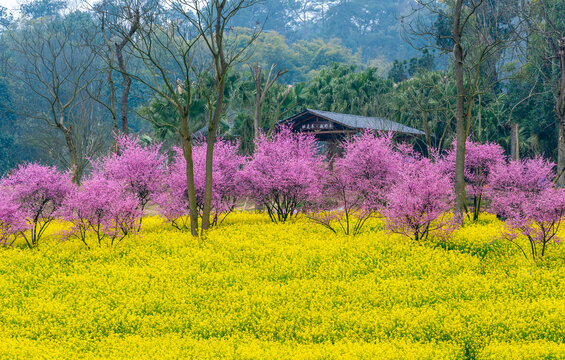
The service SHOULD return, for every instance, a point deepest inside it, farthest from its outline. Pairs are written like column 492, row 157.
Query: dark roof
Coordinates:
column 360, row 122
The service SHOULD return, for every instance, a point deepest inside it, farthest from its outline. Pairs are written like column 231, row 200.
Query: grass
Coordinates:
column 256, row 290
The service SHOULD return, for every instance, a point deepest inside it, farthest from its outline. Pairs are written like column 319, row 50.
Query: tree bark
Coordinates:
column 461, row 129
column 125, row 91
column 514, row 141
column 210, row 141
column 261, row 93
column 560, row 112
column 115, row 128
column 187, row 153
column 72, row 154
column 258, row 102
column 127, row 79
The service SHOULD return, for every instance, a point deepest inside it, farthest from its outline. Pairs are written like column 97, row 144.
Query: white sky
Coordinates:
column 10, row 4
column 15, row 4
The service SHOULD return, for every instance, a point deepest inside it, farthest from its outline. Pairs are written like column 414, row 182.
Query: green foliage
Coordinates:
column 40, row 8
column 164, row 117
column 5, row 18
column 341, row 88
column 398, row 71
column 425, row 102
column 369, row 27
column 403, row 70
column 302, row 59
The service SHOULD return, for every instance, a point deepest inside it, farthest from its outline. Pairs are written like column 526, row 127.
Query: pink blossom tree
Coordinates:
column 284, row 173
column 173, row 203
column 12, row 221
column 140, row 168
column 103, row 207
column 36, row 193
column 523, row 194
column 419, row 203
column 479, row 160
column 356, row 188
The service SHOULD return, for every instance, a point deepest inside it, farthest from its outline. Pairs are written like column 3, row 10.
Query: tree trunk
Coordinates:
column 210, row 141
column 426, row 130
column 560, row 112
column 461, row 129
column 125, row 91
column 258, row 102
column 125, row 75
column 514, row 141
column 72, row 154
column 115, row 127
column 187, row 152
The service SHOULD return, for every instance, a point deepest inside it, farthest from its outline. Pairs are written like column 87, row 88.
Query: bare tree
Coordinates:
column 548, row 31
column 261, row 92
column 54, row 64
column 211, row 19
column 118, row 21
column 132, row 14
column 90, row 134
column 477, row 33
column 165, row 48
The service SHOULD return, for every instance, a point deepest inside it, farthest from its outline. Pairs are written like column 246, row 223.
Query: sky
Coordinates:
column 10, row 4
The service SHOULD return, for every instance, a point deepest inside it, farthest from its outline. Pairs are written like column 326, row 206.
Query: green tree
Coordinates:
column 40, row 8
column 341, row 88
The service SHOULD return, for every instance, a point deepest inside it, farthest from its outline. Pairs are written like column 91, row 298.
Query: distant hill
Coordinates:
column 370, row 28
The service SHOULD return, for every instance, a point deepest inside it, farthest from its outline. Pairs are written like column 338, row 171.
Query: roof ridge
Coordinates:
column 360, row 121
column 361, row 116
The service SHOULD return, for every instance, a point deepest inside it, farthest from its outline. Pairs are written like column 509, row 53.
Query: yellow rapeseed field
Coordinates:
column 256, row 290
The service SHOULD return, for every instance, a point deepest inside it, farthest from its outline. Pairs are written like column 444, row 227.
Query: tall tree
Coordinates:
column 54, row 64
column 461, row 29
column 212, row 20
column 261, row 92
column 548, row 45
column 166, row 48
column 119, row 21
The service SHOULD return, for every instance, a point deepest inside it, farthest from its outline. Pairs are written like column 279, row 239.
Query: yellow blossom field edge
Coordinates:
column 256, row 290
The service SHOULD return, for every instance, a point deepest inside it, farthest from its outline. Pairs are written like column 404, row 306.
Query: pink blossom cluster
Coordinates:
column 103, row 207
column 480, row 159
column 284, row 173
column 420, row 201
column 31, row 197
column 523, row 194
column 357, row 186
column 369, row 167
column 227, row 164
column 12, row 221
column 140, row 168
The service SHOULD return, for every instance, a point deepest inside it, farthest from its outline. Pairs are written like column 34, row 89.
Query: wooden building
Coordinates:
column 330, row 128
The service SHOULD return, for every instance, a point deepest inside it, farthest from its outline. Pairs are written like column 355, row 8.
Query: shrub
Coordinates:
column 357, row 186
column 284, row 173
column 420, row 201
column 522, row 193
column 479, row 160
column 104, row 207
column 34, row 193
column 173, row 203
column 140, row 168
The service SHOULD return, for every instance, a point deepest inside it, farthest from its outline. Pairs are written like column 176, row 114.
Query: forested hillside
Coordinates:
column 64, row 84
